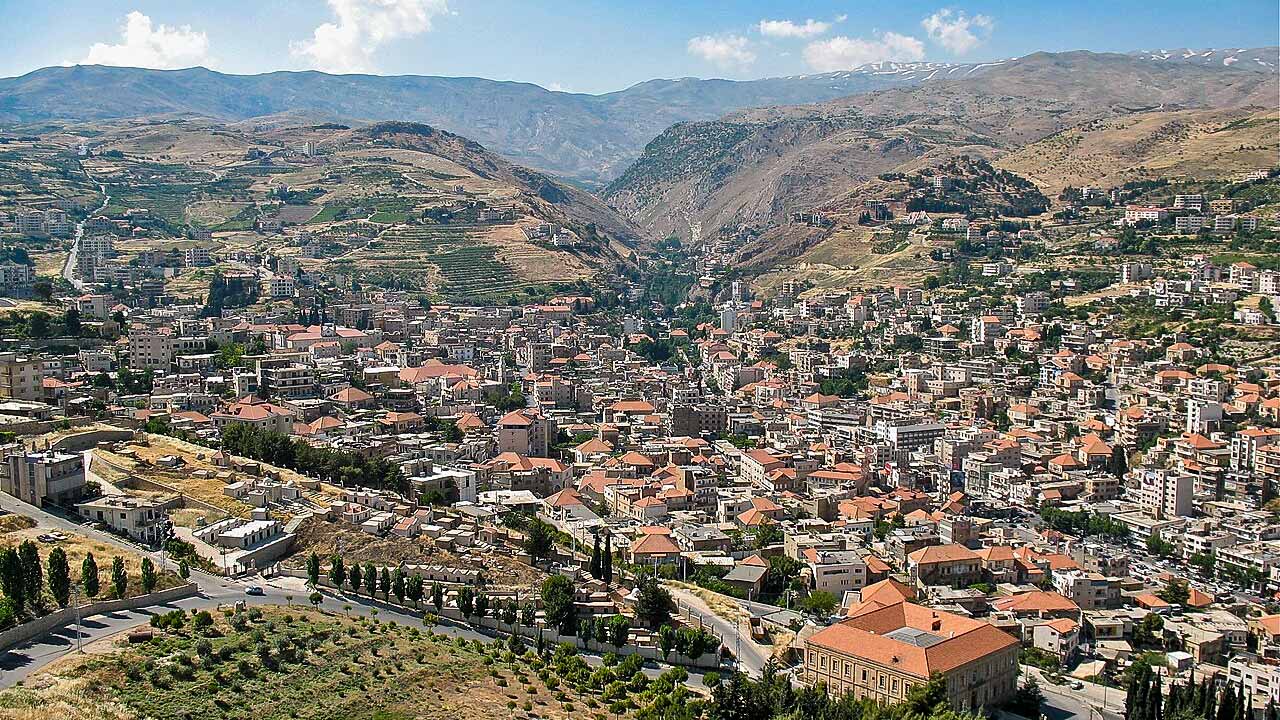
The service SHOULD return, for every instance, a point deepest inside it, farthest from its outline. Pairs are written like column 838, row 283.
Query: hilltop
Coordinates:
column 590, row 138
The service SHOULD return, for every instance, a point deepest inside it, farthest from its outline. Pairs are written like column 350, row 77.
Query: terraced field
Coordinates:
column 448, row 261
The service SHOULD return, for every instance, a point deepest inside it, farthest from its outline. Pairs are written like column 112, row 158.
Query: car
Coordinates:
column 254, row 590
column 1077, row 685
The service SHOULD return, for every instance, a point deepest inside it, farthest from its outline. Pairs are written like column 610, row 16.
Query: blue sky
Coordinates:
column 598, row 46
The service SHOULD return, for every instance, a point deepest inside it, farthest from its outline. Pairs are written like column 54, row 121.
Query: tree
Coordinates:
column 413, row 588
column 528, row 614
column 313, row 570
column 437, row 596
column 539, row 540
column 1176, row 592
column 337, row 572
column 586, row 631
column 1027, row 700
column 11, row 579
column 355, row 576
column 557, row 601
column 653, row 602
column 619, row 630
column 398, row 587
column 59, row 577
column 148, row 576
column 466, row 602
column 32, row 573
column 481, row 605
column 89, row 575
column 606, row 561
column 384, row 583
column 370, row 578
column 184, row 570
column 820, row 603
column 666, row 640
column 510, row 613
column 595, row 568
column 315, row 598
column 119, row 577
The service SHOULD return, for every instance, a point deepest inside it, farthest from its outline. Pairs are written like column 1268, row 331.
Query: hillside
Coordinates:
column 1203, row 144
column 743, row 175
column 590, row 138
column 398, row 205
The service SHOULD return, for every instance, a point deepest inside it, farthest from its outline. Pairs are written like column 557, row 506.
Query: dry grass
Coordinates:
column 78, row 546
column 722, row 605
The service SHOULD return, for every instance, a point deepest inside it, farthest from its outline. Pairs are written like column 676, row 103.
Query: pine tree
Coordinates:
column 148, row 576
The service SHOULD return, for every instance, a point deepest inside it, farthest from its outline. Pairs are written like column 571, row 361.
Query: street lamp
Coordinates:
column 75, row 604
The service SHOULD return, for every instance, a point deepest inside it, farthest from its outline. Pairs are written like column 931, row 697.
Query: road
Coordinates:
column 69, row 267
column 751, row 655
column 1063, row 701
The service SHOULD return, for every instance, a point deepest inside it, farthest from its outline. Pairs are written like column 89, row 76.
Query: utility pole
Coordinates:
column 75, row 603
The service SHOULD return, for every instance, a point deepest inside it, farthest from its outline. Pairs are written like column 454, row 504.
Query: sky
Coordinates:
column 597, row 46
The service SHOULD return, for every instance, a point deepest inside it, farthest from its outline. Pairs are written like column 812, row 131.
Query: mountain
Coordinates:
column 742, row 175
column 589, row 138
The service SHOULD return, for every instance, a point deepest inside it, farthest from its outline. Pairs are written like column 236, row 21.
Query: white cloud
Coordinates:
column 359, row 27
column 788, row 29
column 724, row 51
column 151, row 46
column 844, row 53
column 957, row 32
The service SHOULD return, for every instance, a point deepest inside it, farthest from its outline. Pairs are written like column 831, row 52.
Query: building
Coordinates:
column 837, row 572
column 950, row 565
column 197, row 257
column 1166, row 494
column 525, row 432
column 34, row 477
column 21, row 378
column 882, row 652
column 282, row 286
column 142, row 519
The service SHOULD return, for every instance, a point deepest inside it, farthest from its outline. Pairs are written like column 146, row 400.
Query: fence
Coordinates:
column 41, row 625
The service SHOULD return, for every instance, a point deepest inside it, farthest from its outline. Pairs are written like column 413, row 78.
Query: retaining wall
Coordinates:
column 41, row 625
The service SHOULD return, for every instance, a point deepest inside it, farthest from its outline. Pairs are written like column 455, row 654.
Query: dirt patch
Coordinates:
column 327, row 538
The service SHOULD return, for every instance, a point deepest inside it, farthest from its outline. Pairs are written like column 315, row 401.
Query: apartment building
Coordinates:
column 21, row 377
column 35, row 477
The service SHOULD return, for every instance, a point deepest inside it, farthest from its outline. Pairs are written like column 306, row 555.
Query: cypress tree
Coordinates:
column 89, row 575
column 1155, row 700
column 1271, row 712
column 606, row 561
column 1227, row 706
column 11, row 579
column 1240, row 703
column 595, row 558
column 32, row 573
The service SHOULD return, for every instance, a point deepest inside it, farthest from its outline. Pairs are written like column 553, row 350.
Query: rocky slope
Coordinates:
column 744, row 173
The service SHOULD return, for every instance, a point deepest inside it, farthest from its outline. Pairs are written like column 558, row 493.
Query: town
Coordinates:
column 1024, row 479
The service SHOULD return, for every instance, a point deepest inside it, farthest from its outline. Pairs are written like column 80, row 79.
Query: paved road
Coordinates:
column 1063, row 701
column 751, row 655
